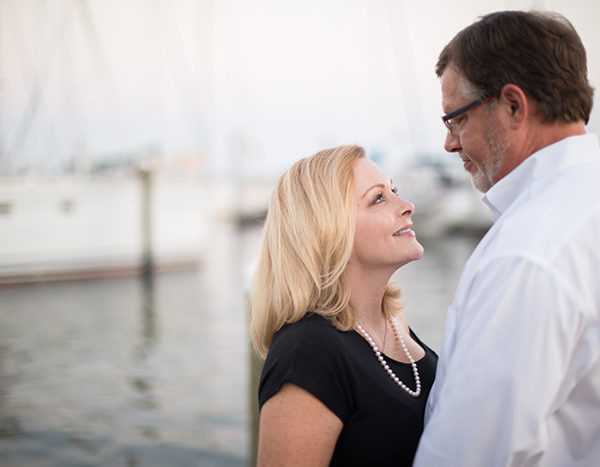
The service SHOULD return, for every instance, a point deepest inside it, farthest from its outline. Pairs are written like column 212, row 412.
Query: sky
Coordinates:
column 242, row 87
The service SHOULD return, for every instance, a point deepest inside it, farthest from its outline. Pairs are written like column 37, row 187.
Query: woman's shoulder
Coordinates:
column 310, row 322
column 312, row 330
column 311, row 336
column 312, row 354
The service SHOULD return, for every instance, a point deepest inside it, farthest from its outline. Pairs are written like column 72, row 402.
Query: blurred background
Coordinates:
column 139, row 142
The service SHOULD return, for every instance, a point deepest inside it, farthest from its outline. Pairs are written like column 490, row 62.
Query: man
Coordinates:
column 518, row 380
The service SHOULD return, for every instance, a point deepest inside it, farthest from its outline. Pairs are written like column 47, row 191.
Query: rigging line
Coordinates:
column 182, row 68
column 98, row 52
column 36, row 101
column 415, row 93
column 3, row 156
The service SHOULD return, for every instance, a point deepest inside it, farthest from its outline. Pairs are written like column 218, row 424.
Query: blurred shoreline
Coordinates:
column 82, row 227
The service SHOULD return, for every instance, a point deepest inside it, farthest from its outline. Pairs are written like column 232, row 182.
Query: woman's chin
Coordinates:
column 419, row 251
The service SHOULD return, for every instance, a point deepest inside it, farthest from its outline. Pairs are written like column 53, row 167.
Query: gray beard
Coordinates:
column 485, row 177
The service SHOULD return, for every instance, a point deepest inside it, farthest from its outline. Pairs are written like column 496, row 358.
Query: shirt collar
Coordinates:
column 571, row 150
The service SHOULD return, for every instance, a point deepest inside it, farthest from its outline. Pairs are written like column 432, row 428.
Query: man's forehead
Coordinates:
column 452, row 84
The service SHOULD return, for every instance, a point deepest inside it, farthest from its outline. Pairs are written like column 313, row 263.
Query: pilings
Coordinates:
column 146, row 177
column 256, row 364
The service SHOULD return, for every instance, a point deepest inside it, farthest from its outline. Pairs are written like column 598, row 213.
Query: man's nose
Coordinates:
column 452, row 143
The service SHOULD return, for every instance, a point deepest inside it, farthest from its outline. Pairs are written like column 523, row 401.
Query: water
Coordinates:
column 127, row 372
column 428, row 284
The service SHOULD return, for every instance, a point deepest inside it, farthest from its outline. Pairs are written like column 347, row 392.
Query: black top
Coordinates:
column 382, row 423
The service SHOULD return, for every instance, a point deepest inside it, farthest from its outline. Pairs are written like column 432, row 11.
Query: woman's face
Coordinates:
column 383, row 236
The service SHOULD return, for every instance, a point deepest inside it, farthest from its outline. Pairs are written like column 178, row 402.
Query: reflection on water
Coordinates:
column 154, row 372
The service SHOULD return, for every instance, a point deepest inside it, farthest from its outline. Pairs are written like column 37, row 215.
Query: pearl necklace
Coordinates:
column 385, row 365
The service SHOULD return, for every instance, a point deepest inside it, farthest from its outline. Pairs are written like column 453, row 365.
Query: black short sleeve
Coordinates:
column 308, row 354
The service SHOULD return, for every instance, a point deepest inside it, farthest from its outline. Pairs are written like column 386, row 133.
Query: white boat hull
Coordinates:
column 80, row 227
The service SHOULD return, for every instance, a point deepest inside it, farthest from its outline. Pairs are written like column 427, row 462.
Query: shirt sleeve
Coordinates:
column 504, row 375
column 307, row 354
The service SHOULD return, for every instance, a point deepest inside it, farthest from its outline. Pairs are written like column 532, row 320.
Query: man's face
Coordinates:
column 477, row 136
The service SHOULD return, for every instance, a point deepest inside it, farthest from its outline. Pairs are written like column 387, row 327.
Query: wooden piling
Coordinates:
column 146, row 178
column 256, row 364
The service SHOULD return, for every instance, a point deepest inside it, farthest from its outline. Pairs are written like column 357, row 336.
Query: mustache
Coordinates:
column 464, row 156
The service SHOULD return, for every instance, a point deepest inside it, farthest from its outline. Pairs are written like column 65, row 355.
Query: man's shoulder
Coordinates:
column 546, row 218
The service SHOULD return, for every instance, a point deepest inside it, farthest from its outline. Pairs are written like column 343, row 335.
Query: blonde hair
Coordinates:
column 307, row 243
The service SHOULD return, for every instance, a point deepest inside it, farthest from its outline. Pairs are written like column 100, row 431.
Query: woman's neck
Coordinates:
column 367, row 291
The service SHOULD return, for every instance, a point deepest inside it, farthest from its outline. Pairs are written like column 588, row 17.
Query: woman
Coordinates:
column 345, row 381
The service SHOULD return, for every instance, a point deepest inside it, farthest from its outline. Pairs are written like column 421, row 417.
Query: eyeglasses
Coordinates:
column 447, row 119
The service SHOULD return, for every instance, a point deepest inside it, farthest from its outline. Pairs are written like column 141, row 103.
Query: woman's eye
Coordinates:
column 378, row 199
column 395, row 190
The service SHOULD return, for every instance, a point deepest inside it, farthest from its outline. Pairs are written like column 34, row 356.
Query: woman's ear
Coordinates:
column 515, row 104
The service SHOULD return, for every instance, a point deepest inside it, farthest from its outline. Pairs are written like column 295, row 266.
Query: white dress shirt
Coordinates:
column 518, row 379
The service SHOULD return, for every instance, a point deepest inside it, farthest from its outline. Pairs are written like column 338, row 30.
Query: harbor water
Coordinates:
column 155, row 372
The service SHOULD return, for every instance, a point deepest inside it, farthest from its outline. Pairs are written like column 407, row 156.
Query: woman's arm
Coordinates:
column 296, row 429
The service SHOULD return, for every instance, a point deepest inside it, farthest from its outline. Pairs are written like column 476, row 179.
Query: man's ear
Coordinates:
column 515, row 104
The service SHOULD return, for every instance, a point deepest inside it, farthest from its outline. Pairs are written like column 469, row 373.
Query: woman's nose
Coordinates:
column 405, row 207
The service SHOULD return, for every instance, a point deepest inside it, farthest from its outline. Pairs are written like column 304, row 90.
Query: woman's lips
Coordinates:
column 405, row 231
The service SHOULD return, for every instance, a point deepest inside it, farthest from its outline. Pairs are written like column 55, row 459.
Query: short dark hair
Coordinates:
column 538, row 51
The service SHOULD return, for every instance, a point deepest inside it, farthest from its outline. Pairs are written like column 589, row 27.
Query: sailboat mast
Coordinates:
column 3, row 162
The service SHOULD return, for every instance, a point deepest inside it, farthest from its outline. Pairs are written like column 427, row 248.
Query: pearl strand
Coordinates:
column 385, row 365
